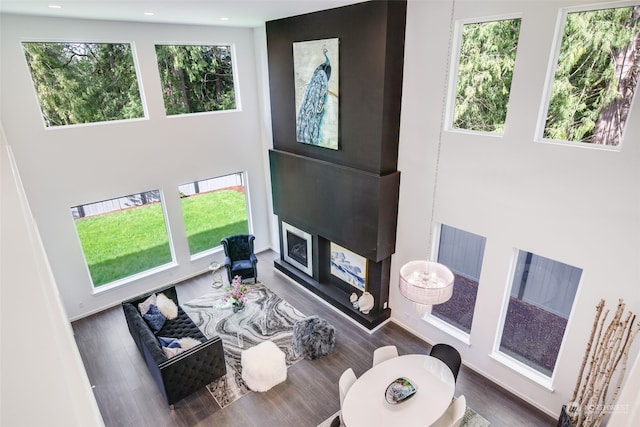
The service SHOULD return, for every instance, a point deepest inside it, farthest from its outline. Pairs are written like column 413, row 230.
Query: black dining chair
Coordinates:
column 449, row 355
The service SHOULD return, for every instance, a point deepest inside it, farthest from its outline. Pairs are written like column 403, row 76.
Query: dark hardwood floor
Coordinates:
column 127, row 396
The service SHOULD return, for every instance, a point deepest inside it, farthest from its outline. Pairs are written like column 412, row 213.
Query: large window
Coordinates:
column 462, row 252
column 487, row 57
column 595, row 77
column 84, row 82
column 214, row 208
column 196, row 78
column 122, row 237
column 541, row 298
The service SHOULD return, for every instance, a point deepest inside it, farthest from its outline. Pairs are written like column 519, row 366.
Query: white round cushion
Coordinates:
column 263, row 366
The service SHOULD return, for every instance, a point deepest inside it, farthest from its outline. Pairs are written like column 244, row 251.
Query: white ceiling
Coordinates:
column 238, row 13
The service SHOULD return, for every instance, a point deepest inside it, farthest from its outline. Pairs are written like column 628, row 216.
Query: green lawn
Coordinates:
column 126, row 242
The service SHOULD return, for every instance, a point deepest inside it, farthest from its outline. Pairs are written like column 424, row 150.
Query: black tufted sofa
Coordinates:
column 187, row 372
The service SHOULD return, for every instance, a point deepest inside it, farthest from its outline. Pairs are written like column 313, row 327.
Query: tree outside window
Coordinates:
column 84, row 82
column 485, row 69
column 196, row 78
column 595, row 77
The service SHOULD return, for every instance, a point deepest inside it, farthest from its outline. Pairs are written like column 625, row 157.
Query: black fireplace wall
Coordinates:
column 355, row 209
column 371, row 50
column 348, row 196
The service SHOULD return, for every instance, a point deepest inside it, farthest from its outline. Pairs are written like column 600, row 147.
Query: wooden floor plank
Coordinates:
column 127, row 395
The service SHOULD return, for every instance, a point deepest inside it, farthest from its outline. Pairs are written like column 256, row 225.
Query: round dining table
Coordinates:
column 365, row 404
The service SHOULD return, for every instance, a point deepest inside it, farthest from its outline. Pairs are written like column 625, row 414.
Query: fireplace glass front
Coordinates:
column 297, row 248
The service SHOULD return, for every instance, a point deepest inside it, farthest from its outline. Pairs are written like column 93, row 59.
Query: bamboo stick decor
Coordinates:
column 605, row 359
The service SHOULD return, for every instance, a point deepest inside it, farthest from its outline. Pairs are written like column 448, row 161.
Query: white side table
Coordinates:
column 215, row 269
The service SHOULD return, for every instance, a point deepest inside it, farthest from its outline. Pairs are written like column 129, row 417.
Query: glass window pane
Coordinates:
column 462, row 252
column 212, row 209
column 595, row 77
column 196, row 78
column 123, row 236
column 540, row 302
column 84, row 82
column 485, row 69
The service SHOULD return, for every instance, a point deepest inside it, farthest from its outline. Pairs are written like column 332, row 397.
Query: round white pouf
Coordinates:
column 263, row 366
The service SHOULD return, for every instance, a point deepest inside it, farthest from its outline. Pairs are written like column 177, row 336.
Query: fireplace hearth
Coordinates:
column 306, row 259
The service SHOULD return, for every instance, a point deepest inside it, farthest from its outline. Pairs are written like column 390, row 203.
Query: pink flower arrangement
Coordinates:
column 237, row 292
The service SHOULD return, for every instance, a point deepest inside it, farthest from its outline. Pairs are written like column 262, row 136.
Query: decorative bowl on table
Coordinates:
column 399, row 390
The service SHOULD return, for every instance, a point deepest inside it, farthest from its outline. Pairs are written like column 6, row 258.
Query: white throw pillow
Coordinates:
column 167, row 306
column 144, row 306
column 170, row 352
column 187, row 342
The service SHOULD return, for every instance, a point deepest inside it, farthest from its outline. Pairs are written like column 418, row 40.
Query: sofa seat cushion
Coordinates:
column 180, row 327
column 243, row 264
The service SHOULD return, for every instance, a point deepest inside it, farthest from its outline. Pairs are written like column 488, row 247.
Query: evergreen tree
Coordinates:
column 196, row 78
column 597, row 71
column 487, row 58
column 84, row 82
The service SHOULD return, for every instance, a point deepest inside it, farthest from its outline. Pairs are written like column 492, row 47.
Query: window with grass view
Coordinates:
column 487, row 57
column 540, row 301
column 124, row 236
column 462, row 252
column 212, row 209
column 196, row 78
column 84, row 82
column 595, row 77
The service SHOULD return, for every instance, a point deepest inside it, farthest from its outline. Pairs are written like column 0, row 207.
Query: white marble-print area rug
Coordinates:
column 266, row 316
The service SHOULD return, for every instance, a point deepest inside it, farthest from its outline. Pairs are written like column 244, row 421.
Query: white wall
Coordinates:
column 577, row 206
column 66, row 167
column 43, row 380
column 574, row 205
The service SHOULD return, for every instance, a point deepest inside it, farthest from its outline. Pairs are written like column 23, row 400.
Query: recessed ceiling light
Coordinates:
column 149, row 13
column 55, row 6
column 224, row 18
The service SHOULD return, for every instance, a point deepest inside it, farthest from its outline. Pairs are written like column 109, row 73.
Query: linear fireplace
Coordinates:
column 297, row 248
column 316, row 263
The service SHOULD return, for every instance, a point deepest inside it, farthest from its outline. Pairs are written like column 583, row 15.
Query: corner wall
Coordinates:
column 580, row 206
column 40, row 363
column 64, row 167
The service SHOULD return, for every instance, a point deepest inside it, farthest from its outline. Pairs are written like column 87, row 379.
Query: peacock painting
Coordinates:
column 316, row 73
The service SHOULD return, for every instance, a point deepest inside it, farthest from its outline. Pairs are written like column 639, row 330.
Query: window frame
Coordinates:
column 452, row 86
column 136, row 66
column 234, row 69
column 512, row 363
column 97, row 289
column 457, row 333
column 551, row 72
column 218, row 248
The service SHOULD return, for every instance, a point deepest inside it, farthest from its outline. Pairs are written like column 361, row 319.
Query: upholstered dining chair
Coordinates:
column 239, row 257
column 381, row 354
column 449, row 355
column 347, row 379
column 454, row 414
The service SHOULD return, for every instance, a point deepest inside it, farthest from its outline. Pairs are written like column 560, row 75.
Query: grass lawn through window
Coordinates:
column 122, row 243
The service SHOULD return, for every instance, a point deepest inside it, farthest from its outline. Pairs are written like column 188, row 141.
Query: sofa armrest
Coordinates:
column 145, row 340
column 193, row 369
